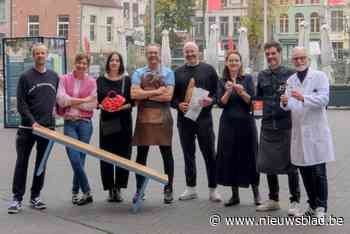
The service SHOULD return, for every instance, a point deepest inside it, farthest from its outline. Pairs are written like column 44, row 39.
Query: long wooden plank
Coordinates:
column 101, row 154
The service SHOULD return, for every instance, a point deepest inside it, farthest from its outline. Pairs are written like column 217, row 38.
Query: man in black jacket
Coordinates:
column 274, row 149
column 205, row 77
column 36, row 98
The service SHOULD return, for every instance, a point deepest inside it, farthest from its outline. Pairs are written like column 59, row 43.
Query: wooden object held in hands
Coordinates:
column 189, row 90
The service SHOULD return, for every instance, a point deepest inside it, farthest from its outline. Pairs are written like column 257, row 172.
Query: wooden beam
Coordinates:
column 101, row 154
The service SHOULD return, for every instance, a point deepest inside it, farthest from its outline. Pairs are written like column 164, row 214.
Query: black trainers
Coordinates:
column 15, row 207
column 37, row 204
column 85, row 199
column 75, row 198
column 168, row 196
column 136, row 197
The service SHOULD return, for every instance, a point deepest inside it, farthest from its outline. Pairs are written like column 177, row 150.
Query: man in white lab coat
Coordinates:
column 307, row 96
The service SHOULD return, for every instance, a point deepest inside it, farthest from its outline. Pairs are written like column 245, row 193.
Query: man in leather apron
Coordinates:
column 275, row 137
column 152, row 89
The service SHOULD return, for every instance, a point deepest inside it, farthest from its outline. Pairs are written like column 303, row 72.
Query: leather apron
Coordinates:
column 154, row 123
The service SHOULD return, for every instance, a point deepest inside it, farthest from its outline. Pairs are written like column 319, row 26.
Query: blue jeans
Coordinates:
column 81, row 130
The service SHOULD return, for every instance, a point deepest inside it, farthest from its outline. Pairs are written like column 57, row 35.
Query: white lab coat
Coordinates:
column 311, row 142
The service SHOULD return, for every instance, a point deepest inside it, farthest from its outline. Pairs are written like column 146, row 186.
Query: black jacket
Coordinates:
column 271, row 85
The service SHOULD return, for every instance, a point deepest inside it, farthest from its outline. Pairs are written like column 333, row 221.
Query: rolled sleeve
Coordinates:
column 136, row 78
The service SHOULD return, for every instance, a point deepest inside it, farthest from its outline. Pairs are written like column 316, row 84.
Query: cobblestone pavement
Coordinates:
column 155, row 217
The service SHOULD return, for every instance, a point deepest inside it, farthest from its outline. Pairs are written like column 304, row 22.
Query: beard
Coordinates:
column 301, row 68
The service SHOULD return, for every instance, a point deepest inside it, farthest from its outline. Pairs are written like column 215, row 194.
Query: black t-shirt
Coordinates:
column 36, row 97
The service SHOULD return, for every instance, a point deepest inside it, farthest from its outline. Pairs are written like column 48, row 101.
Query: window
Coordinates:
column 315, row 1
column 135, row 14
column 298, row 19
column 2, row 10
column 223, row 26
column 287, row 52
column 337, row 18
column 109, row 29
column 299, row 1
column 212, row 20
column 236, row 24
column 126, row 10
column 33, row 25
column 198, row 27
column 315, row 22
column 92, row 27
column 338, row 50
column 63, row 26
column 224, row 3
column 284, row 23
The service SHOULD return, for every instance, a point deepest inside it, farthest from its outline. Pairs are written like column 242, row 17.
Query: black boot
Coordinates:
column 234, row 200
column 256, row 194
column 168, row 194
column 111, row 195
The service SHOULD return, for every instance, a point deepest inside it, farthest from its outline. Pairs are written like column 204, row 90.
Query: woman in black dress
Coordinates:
column 115, row 125
column 237, row 141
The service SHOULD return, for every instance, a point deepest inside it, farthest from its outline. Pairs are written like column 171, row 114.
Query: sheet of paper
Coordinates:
column 194, row 108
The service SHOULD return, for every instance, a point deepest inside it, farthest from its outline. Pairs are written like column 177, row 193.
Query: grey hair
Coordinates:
column 302, row 49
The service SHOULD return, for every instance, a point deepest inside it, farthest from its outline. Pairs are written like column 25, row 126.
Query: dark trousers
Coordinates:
column 315, row 183
column 293, row 183
column 203, row 130
column 25, row 141
column 168, row 161
column 113, row 176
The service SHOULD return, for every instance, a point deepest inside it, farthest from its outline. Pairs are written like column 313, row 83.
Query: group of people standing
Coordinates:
column 294, row 132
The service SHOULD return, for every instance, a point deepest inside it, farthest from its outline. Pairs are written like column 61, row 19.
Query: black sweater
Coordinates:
column 36, row 97
column 205, row 77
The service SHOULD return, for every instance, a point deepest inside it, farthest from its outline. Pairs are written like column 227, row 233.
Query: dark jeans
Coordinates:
column 82, row 131
column 168, row 161
column 25, row 141
column 293, row 183
column 315, row 183
column 203, row 130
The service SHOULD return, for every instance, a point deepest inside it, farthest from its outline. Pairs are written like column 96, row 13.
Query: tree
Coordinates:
column 171, row 15
column 254, row 22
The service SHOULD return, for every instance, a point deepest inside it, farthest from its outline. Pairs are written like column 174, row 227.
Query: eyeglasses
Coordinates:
column 299, row 58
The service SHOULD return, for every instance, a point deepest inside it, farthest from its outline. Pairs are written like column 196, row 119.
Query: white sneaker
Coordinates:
column 294, row 209
column 309, row 212
column 214, row 196
column 320, row 213
column 15, row 207
column 189, row 194
column 268, row 206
